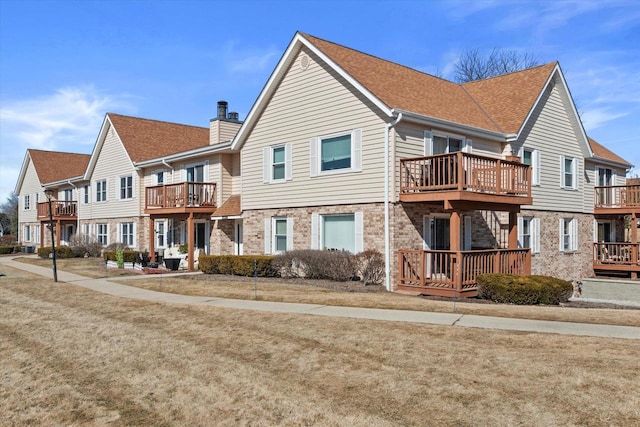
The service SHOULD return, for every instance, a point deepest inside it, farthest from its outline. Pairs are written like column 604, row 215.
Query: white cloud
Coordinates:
column 242, row 60
column 67, row 120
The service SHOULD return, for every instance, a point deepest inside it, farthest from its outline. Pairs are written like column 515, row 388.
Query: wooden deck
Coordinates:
column 615, row 257
column 62, row 210
column 181, row 198
column 451, row 274
column 464, row 177
column 617, row 200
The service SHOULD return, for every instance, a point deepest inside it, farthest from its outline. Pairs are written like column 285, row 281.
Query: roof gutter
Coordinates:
column 453, row 126
column 387, row 245
column 597, row 159
column 184, row 155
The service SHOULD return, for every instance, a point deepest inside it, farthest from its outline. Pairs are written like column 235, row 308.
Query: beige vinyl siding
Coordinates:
column 236, row 181
column 550, row 130
column 31, row 186
column 591, row 181
column 222, row 131
column 226, row 176
column 112, row 163
column 308, row 103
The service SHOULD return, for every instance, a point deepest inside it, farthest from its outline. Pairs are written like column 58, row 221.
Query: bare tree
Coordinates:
column 474, row 65
column 10, row 211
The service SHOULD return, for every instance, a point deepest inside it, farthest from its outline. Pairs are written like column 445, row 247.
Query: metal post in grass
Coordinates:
column 255, row 279
column 49, row 194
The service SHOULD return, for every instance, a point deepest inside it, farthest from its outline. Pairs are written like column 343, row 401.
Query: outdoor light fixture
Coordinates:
column 49, row 194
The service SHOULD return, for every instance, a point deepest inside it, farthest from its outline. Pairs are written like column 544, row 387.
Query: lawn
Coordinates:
column 75, row 357
column 288, row 291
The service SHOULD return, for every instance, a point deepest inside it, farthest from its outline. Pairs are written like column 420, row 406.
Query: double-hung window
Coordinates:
column 569, row 173
column 277, row 165
column 126, row 187
column 340, row 152
column 36, row 233
column 27, row 202
column 568, row 235
column 529, row 233
column 531, row 157
column 127, row 233
column 278, row 235
column 160, row 177
column 103, row 234
column 27, row 233
column 101, row 190
column 86, row 192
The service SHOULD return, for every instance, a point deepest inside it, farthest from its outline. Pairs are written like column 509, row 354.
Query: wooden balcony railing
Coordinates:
column 608, row 255
column 450, row 273
column 182, row 195
column 464, row 172
column 61, row 209
column 617, row 196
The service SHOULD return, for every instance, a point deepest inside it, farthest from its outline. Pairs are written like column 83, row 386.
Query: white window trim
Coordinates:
column 267, row 164
column 573, row 239
column 467, row 144
column 133, row 187
column 317, row 230
column 574, row 166
column 26, row 233
column 37, row 233
column 315, row 156
column 26, row 202
column 86, row 194
column 269, row 234
column 205, row 170
column 133, row 233
column 535, row 164
column 106, row 234
column 165, row 234
column 106, row 191
column 534, row 233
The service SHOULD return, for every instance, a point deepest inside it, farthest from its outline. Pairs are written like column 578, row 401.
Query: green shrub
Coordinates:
column 239, row 265
column 127, row 256
column 316, row 264
column 61, row 252
column 511, row 289
column 6, row 249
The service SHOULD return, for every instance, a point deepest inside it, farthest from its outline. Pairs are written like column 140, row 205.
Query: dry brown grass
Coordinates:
column 89, row 267
column 269, row 290
column 74, row 357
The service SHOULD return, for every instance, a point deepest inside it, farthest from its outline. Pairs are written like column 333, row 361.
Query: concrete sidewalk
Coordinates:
column 106, row 286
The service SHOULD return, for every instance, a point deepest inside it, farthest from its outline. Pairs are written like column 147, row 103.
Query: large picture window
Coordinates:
column 335, row 153
column 339, row 232
column 340, row 152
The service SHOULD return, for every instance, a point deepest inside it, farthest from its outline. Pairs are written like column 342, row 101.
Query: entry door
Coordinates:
column 201, row 241
column 436, row 238
column 605, row 229
column 68, row 232
column 195, row 174
column 605, row 178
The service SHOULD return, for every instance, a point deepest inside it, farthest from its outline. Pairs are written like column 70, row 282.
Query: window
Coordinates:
column 277, row 163
column 568, row 235
column 126, row 187
column 336, row 153
column 438, row 143
column 569, row 174
column 103, row 234
column 86, row 194
column 339, row 232
column 37, row 197
column 529, row 233
column 27, row 233
column 101, row 190
column 27, row 202
column 36, row 232
column 68, row 195
column 161, row 237
column 532, row 158
column 278, row 234
column 126, row 234
column 160, row 177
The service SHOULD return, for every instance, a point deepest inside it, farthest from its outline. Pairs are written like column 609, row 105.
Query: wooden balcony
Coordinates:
column 614, row 257
column 62, row 210
column 185, row 197
column 617, row 199
column 453, row 274
column 464, row 177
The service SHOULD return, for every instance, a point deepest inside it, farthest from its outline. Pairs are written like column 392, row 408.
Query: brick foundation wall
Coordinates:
column 222, row 239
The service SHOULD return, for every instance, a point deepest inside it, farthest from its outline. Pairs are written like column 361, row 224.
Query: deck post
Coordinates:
column 423, row 269
column 460, row 171
column 454, row 231
column 152, row 239
column 190, row 242
column 499, row 176
column 634, row 241
column 513, row 230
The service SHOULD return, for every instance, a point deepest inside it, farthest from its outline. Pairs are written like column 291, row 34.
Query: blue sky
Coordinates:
column 64, row 64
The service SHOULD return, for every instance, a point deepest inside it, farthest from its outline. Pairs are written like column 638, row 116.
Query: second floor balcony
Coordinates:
column 184, row 197
column 464, row 177
column 617, row 199
column 67, row 209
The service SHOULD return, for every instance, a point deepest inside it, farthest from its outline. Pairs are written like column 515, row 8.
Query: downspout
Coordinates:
column 387, row 244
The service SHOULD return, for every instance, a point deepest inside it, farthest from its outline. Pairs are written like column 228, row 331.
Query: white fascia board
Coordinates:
column 297, row 41
column 54, row 184
column 23, row 172
column 185, row 155
column 557, row 70
column 452, row 126
column 97, row 147
column 214, row 218
column 603, row 161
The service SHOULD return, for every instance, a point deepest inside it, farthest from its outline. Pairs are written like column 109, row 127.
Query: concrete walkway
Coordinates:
column 106, row 286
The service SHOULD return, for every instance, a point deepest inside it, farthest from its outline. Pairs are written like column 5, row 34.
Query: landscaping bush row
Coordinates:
column 239, row 265
column 9, row 249
column 61, row 252
column 127, row 256
column 507, row 288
